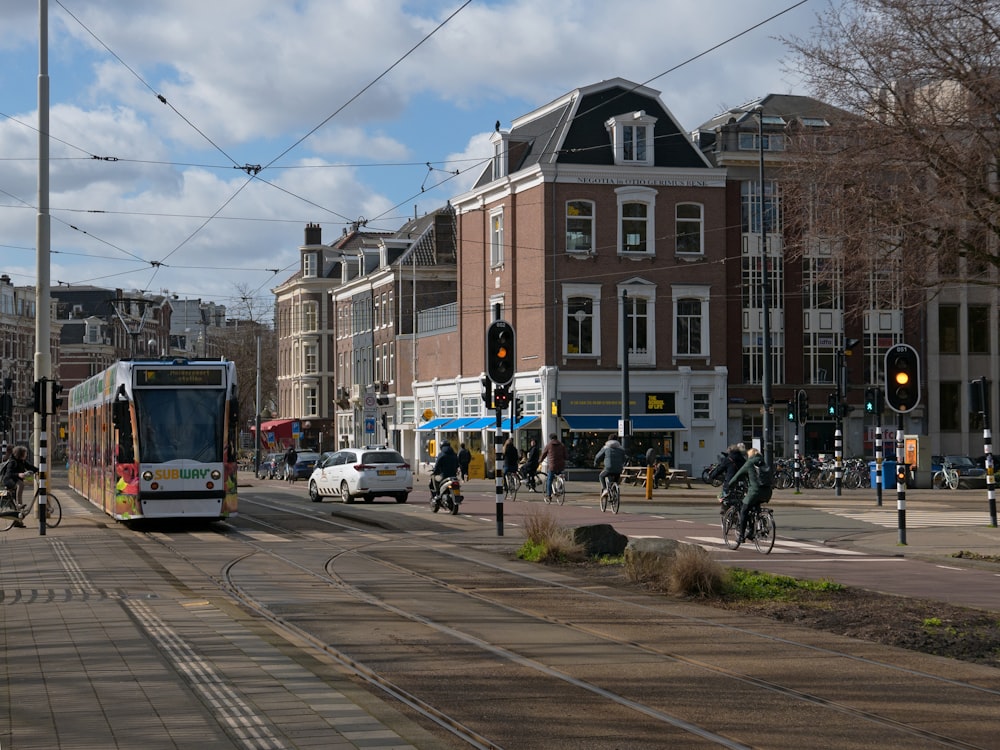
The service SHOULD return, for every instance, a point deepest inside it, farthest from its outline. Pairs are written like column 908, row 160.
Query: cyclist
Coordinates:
column 757, row 493
column 511, row 457
column 614, row 461
column 734, row 459
column 556, row 454
column 530, row 467
column 14, row 471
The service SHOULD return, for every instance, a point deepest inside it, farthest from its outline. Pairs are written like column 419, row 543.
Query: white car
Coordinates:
column 368, row 472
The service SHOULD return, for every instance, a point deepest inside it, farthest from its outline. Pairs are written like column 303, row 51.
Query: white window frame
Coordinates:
column 644, row 290
column 632, row 128
column 593, row 292
column 646, row 196
column 496, row 238
column 701, row 406
column 310, row 316
column 591, row 219
column 309, row 265
column 310, row 400
column 700, row 221
column 310, row 358
column 703, row 294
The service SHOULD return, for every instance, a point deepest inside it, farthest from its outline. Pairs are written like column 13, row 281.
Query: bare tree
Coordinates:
column 908, row 185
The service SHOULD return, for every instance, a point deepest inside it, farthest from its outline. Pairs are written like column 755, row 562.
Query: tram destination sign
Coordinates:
column 190, row 376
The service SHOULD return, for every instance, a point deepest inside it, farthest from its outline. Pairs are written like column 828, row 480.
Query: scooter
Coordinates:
column 449, row 496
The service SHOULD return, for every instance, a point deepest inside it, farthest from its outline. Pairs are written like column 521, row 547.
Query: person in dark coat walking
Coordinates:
column 464, row 459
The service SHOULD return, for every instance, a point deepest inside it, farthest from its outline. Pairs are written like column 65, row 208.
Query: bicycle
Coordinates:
column 511, row 484
column 946, row 476
column 613, row 496
column 558, row 489
column 761, row 528
column 14, row 512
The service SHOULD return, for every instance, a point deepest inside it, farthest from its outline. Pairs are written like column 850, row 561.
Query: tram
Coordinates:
column 156, row 439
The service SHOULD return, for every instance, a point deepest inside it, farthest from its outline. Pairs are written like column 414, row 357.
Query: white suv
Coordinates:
column 367, row 473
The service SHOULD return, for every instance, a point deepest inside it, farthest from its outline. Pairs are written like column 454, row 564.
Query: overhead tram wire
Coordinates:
column 381, row 75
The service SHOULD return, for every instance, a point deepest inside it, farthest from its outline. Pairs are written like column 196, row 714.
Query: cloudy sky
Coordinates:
column 353, row 109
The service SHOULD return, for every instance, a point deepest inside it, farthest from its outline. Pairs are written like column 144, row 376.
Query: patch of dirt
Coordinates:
column 916, row 624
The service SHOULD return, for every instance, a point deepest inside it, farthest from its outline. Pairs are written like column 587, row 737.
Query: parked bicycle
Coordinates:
column 946, row 476
column 761, row 528
column 12, row 511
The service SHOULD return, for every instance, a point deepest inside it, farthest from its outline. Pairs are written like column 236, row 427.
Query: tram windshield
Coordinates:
column 180, row 424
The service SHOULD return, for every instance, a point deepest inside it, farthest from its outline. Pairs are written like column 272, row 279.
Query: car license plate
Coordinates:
column 387, row 472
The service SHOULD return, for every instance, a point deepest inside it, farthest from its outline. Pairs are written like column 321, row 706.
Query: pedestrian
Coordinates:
column 291, row 458
column 555, row 453
column 464, row 459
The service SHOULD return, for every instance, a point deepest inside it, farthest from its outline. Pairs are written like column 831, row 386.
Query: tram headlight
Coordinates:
column 216, row 474
column 147, row 476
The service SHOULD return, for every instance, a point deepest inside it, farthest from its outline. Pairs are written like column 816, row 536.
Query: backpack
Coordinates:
column 765, row 475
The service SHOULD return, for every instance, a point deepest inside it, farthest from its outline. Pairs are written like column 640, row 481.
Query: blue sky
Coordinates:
column 166, row 206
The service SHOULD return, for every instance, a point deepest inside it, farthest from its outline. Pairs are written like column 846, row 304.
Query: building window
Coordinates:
column 407, row 411
column 310, row 401
column 690, row 229
column 751, row 141
column 470, row 406
column 950, row 401
column 581, row 334
column 310, row 315
column 750, row 207
column 579, row 227
column 311, row 358
column 496, row 238
column 979, row 329
column 636, row 225
column 448, row 408
column 701, row 406
column 309, row 265
column 948, row 341
column 691, row 321
column 640, row 321
column 632, row 138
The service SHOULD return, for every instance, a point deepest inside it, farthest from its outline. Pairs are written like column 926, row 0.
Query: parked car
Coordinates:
column 303, row 466
column 964, row 465
column 272, row 466
column 367, row 472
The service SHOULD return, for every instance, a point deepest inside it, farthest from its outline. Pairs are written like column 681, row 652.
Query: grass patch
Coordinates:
column 546, row 541
column 753, row 585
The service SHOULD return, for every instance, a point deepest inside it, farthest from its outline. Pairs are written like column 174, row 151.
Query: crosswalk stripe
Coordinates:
column 889, row 517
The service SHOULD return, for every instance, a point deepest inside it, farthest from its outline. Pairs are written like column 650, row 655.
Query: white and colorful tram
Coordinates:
column 156, row 439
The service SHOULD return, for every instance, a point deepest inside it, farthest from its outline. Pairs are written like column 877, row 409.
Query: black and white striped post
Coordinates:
column 979, row 400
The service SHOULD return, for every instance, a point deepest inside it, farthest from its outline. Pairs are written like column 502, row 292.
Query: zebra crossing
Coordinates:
column 781, row 546
column 888, row 517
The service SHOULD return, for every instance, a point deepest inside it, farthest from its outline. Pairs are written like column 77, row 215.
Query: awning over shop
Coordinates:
column 282, row 426
column 482, row 423
column 640, row 422
column 521, row 423
column 434, row 424
column 460, row 424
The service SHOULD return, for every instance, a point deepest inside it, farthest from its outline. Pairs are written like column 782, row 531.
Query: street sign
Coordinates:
column 369, row 400
column 369, row 425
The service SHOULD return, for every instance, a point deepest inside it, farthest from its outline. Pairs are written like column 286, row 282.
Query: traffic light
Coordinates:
column 831, row 405
column 874, row 403
column 500, row 365
column 55, row 400
column 40, row 392
column 791, row 410
column 802, row 407
column 902, row 378
column 501, row 397
column 487, row 392
column 518, row 409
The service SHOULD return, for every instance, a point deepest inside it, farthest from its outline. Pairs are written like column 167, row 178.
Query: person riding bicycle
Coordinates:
column 12, row 477
column 614, row 461
column 758, row 491
column 446, row 466
column 530, row 467
column 556, row 454
column 734, row 460
column 511, row 457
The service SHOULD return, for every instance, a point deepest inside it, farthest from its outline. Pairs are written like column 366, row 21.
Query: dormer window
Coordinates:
column 632, row 138
column 309, row 265
column 500, row 145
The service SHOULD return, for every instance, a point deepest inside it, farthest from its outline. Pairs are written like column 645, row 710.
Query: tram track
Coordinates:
column 423, row 588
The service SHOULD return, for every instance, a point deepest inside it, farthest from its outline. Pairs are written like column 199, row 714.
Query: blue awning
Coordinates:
column 640, row 422
column 433, row 424
column 656, row 422
column 460, row 424
column 482, row 423
column 522, row 422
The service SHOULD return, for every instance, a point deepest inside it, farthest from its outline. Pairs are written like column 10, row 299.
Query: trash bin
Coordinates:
column 888, row 474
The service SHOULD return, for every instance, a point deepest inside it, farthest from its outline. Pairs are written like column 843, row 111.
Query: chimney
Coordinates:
column 314, row 234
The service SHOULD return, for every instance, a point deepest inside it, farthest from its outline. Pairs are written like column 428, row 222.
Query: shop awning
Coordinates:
column 434, row 424
column 282, row 426
column 481, row 423
column 521, row 423
column 460, row 424
column 640, row 422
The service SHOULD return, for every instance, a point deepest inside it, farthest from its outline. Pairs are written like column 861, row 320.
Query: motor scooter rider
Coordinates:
column 445, row 466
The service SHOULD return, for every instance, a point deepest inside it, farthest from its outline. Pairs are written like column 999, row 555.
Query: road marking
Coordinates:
column 889, row 517
column 812, row 547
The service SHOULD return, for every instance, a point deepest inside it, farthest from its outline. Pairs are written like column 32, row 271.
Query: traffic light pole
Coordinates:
column 901, row 474
column 498, row 457
column 878, row 459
